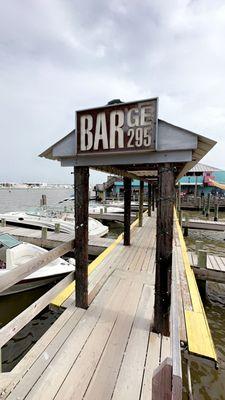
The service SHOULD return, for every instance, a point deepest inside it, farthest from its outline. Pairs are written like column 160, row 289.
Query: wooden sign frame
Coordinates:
column 117, row 128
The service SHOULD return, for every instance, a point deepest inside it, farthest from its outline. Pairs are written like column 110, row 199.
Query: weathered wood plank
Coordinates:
column 14, row 326
column 129, row 381
column 83, row 369
column 100, row 386
column 17, row 274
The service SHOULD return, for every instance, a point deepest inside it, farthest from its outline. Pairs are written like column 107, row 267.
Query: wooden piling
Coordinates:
column 164, row 239
column 44, row 233
column 203, row 206
column 141, row 197
column 208, row 205
column 153, row 197
column 3, row 222
column 57, row 228
column 127, row 210
column 179, row 197
column 81, row 185
column 202, row 263
column 216, row 211
column 180, row 217
column 186, row 226
column 149, row 199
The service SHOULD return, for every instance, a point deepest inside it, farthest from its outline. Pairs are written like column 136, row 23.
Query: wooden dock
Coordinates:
column 214, row 271
column 34, row 236
column 109, row 351
column 218, row 226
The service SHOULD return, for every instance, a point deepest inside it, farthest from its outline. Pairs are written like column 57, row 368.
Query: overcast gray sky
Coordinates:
column 58, row 56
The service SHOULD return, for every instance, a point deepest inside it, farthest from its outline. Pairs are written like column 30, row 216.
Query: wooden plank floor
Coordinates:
column 213, row 262
column 107, row 351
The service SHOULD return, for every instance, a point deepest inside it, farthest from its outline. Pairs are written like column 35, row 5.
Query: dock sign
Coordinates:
column 123, row 127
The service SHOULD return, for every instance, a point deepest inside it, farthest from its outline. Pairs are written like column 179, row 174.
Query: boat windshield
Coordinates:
column 6, row 242
column 49, row 211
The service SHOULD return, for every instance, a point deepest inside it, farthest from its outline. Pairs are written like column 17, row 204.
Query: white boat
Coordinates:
column 96, row 208
column 43, row 219
column 14, row 253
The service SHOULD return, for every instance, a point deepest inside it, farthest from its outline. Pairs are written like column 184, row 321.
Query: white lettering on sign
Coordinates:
column 101, row 132
column 126, row 127
column 116, row 127
column 86, row 124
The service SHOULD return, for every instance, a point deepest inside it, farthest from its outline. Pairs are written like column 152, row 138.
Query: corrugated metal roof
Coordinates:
column 203, row 168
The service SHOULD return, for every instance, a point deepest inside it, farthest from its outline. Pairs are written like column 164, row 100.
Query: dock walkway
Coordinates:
column 106, row 351
column 109, row 350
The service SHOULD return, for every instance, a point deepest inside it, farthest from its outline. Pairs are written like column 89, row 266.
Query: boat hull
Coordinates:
column 30, row 284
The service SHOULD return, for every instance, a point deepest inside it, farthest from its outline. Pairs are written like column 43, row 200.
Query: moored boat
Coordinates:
column 14, row 253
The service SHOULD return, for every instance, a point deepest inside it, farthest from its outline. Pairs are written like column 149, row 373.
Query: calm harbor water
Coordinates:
column 207, row 382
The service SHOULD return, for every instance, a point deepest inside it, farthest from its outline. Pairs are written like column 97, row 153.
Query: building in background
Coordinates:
column 201, row 179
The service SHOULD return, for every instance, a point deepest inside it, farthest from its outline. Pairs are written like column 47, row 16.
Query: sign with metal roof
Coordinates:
column 117, row 128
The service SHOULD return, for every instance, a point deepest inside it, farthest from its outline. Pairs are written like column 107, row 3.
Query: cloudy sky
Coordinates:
column 58, row 56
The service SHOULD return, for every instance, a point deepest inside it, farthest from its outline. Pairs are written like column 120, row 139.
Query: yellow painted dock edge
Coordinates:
column 59, row 300
column 199, row 336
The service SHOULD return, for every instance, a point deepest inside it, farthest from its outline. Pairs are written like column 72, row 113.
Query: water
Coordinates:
column 21, row 199
column 208, row 383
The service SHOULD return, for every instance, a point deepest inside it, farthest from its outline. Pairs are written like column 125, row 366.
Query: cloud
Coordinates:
column 56, row 57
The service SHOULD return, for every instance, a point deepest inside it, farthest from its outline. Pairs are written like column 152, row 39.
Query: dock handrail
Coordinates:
column 15, row 275
column 175, row 336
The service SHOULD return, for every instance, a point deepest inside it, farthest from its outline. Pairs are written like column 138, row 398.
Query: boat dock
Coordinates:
column 218, row 226
column 34, row 236
column 110, row 350
column 131, row 312
column 213, row 269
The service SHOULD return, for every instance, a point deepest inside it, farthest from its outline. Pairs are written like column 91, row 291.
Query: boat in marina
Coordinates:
column 97, row 208
column 38, row 218
column 14, row 253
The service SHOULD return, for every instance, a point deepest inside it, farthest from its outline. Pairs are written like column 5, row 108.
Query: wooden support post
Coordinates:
column 44, row 199
column 216, row 211
column 199, row 203
column 186, row 226
column 203, row 206
column 149, row 199
column 81, row 185
column 127, row 210
column 208, row 205
column 202, row 263
column 180, row 216
column 57, row 227
column 153, row 197
column 198, row 246
column 44, row 233
column 164, row 240
column 3, row 222
column 141, row 196
column 196, row 189
column 179, row 197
